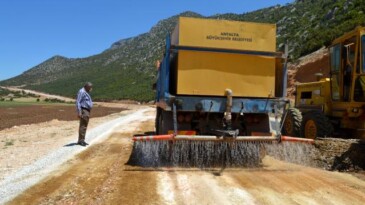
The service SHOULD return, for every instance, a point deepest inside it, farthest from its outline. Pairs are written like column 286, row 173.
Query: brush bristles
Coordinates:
column 202, row 154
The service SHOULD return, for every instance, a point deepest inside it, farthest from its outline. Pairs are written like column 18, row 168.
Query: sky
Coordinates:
column 31, row 31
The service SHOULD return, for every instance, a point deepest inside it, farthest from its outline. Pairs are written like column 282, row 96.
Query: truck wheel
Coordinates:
column 316, row 124
column 293, row 122
column 157, row 121
column 163, row 121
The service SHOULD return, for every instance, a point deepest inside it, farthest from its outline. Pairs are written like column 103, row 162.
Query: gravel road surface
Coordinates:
column 28, row 176
column 100, row 175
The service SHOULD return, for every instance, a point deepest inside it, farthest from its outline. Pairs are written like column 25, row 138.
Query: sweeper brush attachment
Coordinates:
column 200, row 151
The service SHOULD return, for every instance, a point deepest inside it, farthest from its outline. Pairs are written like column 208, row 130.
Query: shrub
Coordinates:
column 54, row 100
column 9, row 142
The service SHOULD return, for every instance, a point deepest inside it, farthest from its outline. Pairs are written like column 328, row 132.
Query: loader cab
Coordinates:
column 347, row 56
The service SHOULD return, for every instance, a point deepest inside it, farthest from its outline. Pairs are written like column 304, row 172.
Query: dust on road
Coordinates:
column 100, row 176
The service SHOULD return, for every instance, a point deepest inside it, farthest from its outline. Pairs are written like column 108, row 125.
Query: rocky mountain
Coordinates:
column 307, row 25
column 127, row 69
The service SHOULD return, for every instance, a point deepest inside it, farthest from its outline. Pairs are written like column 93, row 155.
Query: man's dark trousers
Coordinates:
column 84, row 121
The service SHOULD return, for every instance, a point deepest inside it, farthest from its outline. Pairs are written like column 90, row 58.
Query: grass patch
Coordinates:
column 9, row 143
column 24, row 99
column 13, row 104
column 30, row 103
column 17, row 104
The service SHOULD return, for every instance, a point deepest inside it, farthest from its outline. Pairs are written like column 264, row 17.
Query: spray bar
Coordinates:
column 296, row 139
column 238, row 138
column 214, row 138
column 153, row 137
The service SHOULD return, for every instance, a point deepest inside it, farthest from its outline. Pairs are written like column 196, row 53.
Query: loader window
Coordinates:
column 363, row 53
column 359, row 94
column 335, row 58
column 348, row 65
column 335, row 88
column 359, row 91
column 306, row 95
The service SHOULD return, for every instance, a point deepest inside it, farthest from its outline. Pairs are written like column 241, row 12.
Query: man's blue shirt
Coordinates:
column 83, row 100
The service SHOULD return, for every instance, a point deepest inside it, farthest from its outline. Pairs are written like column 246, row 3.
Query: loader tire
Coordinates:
column 293, row 123
column 316, row 124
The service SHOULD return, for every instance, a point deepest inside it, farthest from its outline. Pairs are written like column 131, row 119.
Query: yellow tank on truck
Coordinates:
column 224, row 34
column 208, row 73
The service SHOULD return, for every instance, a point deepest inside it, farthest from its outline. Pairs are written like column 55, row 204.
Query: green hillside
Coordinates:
column 307, row 25
column 127, row 69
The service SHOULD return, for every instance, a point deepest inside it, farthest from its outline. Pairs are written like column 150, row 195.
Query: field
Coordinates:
column 19, row 102
column 15, row 113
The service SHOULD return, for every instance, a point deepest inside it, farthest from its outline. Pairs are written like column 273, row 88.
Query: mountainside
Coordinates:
column 127, row 69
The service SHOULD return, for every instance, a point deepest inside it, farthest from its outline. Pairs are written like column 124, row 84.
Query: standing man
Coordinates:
column 83, row 106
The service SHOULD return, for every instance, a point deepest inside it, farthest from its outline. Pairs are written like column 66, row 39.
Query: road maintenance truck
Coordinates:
column 219, row 78
column 219, row 81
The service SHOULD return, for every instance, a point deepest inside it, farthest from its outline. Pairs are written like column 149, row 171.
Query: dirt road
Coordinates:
column 99, row 175
column 44, row 95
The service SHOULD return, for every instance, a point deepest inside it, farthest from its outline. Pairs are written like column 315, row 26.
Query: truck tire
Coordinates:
column 316, row 124
column 157, row 120
column 293, row 123
column 163, row 121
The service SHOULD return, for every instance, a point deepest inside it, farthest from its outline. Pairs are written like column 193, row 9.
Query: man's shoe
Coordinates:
column 85, row 143
column 82, row 143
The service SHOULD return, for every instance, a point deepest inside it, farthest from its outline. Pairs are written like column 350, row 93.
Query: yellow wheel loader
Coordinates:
column 336, row 103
